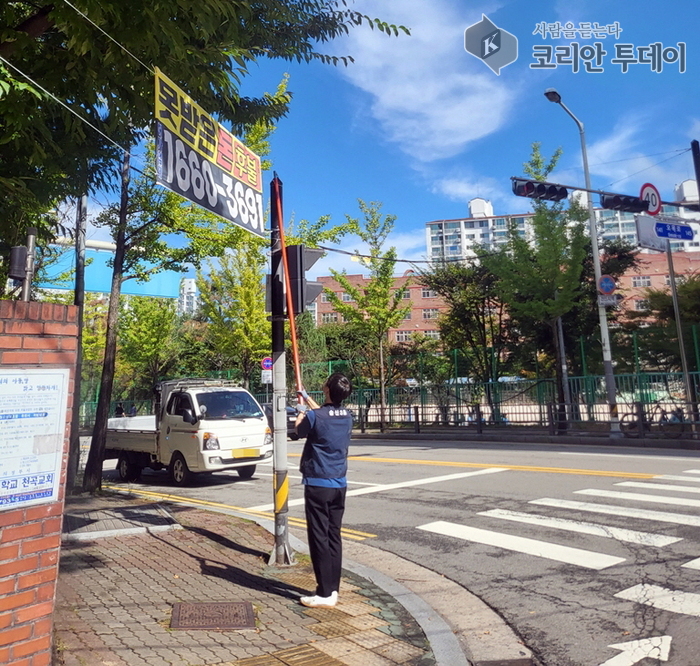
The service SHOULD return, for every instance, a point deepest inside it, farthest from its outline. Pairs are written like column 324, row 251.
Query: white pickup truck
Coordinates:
column 200, row 425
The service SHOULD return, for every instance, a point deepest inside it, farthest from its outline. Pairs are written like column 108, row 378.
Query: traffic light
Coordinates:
column 622, row 202
column 536, row 189
column 301, row 259
column 18, row 263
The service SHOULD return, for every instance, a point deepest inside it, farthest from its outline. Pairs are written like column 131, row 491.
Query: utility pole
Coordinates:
column 282, row 553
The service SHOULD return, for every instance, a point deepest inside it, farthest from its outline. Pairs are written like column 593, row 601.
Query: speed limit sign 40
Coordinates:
column 651, row 194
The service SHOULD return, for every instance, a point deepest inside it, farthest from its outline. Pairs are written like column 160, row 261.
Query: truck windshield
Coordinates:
column 228, row 405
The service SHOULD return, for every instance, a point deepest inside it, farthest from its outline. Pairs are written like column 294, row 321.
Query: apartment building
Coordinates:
column 461, row 239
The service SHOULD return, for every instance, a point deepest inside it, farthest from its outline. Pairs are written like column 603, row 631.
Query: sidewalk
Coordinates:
column 131, row 570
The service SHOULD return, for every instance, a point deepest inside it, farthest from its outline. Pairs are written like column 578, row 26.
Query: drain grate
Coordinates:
column 213, row 615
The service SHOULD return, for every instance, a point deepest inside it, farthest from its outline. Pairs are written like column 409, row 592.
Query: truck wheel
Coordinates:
column 127, row 470
column 180, row 473
column 246, row 472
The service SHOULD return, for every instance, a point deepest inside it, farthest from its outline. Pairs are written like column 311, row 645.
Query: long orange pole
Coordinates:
column 287, row 281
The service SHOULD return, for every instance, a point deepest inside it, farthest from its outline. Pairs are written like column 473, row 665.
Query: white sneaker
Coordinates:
column 320, row 602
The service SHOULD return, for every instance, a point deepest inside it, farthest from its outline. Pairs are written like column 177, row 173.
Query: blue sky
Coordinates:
column 423, row 126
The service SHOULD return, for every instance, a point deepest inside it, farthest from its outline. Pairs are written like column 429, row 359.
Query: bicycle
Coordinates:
column 657, row 419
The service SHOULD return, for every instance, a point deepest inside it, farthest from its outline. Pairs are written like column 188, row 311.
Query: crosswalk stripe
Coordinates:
column 673, row 477
column 638, row 497
column 659, row 486
column 675, row 601
column 626, row 512
column 596, row 529
column 550, row 551
column 693, row 564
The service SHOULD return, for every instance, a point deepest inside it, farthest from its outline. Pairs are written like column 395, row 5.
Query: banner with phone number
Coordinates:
column 202, row 161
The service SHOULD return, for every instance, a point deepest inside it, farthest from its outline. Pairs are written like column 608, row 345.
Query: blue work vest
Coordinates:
column 326, row 449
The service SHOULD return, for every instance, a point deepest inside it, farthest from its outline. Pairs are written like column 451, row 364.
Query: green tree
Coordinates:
column 656, row 328
column 232, row 303
column 148, row 347
column 376, row 307
column 97, row 57
column 539, row 278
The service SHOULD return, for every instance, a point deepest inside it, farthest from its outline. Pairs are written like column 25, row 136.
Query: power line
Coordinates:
column 63, row 104
column 106, row 34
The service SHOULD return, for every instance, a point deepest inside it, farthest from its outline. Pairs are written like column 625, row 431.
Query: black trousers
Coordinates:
column 324, row 515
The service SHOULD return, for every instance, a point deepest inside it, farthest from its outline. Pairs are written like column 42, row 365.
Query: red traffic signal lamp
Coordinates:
column 536, row 189
column 623, row 202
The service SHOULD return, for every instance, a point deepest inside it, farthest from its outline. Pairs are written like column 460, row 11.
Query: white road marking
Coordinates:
column 691, row 471
column 627, row 512
column 675, row 601
column 656, row 647
column 651, row 456
column 394, row 486
column 638, row 497
column 659, row 486
column 545, row 549
column 673, row 477
column 693, row 564
column 618, row 533
column 298, row 478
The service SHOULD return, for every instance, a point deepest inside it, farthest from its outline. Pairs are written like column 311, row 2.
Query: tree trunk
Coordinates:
column 562, row 423
column 382, row 380
column 92, row 480
column 79, row 300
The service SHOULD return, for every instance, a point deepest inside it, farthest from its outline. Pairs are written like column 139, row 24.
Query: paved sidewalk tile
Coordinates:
column 117, row 587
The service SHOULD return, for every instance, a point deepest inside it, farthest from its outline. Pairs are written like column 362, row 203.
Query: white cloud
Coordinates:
column 623, row 160
column 427, row 94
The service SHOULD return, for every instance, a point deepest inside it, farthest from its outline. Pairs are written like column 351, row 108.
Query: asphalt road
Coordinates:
column 578, row 548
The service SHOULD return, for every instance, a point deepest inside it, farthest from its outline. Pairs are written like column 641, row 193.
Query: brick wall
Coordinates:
column 33, row 335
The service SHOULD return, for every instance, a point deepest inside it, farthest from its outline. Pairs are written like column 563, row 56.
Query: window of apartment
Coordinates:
column 430, row 313
column 470, row 236
column 345, row 297
column 406, row 294
column 407, row 316
column 329, row 317
column 499, row 222
column 433, row 335
column 641, row 281
column 403, row 336
column 453, row 225
column 469, row 225
column 428, row 293
column 484, row 223
column 325, row 298
column 641, row 304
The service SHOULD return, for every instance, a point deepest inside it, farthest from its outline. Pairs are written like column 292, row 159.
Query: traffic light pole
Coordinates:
column 282, row 553
column 610, row 387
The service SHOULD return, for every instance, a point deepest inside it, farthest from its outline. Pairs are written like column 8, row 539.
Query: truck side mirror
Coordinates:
column 188, row 416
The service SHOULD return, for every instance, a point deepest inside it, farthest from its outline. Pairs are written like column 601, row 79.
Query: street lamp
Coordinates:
column 553, row 96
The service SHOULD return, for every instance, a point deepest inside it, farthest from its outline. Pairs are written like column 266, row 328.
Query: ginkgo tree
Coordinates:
column 374, row 307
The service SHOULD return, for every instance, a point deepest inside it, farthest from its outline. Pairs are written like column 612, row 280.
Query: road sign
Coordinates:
column 606, row 284
column 266, row 376
column 674, row 231
column 607, row 300
column 266, row 363
column 651, row 194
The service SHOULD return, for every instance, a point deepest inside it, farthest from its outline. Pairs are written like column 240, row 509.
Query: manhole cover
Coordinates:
column 213, row 615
